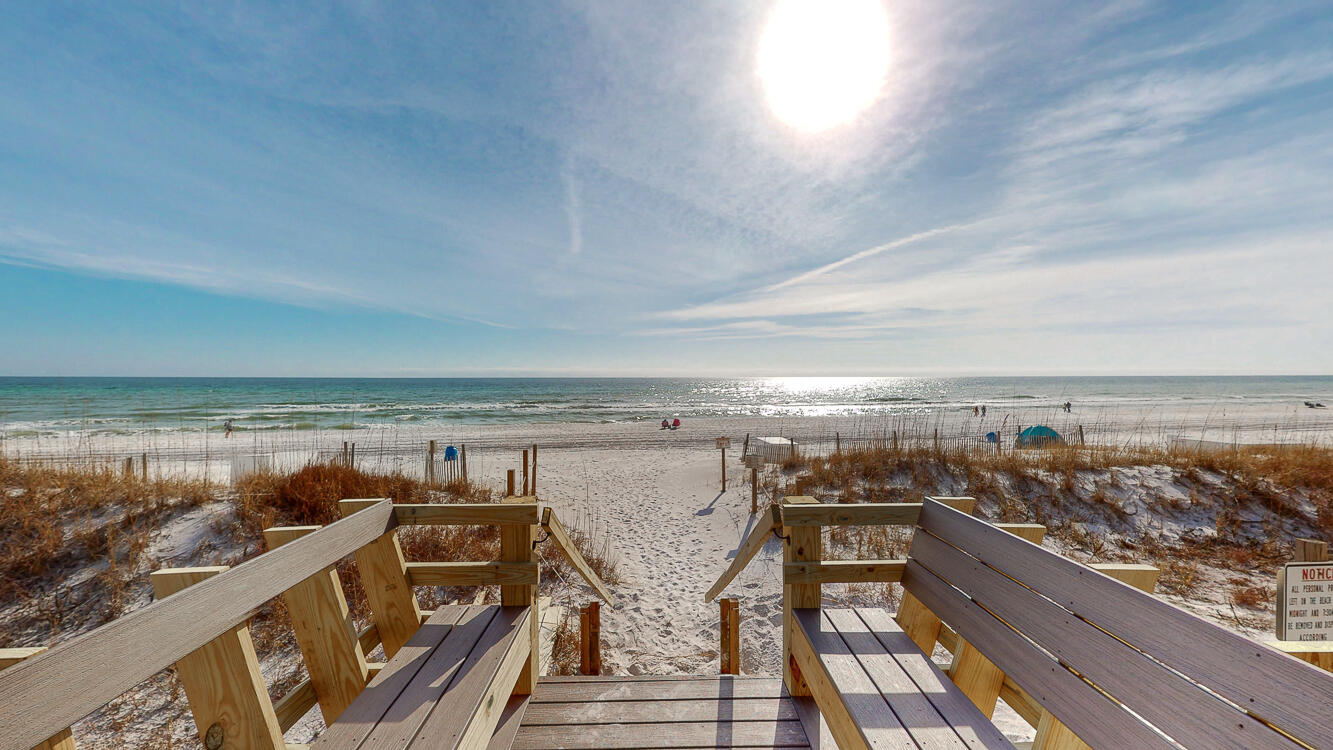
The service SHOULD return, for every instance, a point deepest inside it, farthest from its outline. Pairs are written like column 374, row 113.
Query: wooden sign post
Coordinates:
column 724, row 443
column 755, row 462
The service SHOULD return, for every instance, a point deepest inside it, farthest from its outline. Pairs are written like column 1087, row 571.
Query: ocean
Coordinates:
column 53, row 406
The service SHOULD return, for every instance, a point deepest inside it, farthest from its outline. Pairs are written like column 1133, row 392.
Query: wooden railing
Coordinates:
column 200, row 625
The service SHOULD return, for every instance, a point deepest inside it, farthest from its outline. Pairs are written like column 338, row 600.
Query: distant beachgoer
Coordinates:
column 675, row 423
column 976, row 412
column 227, row 426
column 665, row 424
column 1068, row 407
column 983, row 410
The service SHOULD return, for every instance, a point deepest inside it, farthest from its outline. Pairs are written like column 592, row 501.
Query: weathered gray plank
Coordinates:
column 1093, row 717
column 360, row 718
column 626, row 690
column 468, row 711
column 1277, row 688
column 396, row 728
column 864, row 514
column 675, row 735
column 857, row 713
column 971, row 726
column 1164, row 698
column 509, row 724
column 53, row 690
column 658, row 711
column 917, row 714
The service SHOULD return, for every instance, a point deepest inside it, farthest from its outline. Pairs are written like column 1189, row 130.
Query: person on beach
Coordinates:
column 227, row 426
column 675, row 423
column 983, row 411
column 665, row 424
column 976, row 411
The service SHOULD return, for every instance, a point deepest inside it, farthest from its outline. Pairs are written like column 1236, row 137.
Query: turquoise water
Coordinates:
column 52, row 406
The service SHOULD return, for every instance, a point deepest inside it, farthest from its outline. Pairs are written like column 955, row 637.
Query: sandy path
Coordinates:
column 672, row 533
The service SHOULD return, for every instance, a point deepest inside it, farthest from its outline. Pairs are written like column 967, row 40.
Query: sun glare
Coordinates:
column 822, row 62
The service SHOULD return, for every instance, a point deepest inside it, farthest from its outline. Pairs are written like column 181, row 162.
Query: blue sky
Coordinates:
column 566, row 188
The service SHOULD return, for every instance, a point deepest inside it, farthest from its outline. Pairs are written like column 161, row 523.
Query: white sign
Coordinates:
column 724, row 442
column 1305, row 602
column 754, row 461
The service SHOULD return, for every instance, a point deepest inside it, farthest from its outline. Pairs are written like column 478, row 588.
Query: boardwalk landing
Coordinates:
column 659, row 712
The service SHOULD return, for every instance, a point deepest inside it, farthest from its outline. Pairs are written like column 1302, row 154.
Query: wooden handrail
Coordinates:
column 749, row 548
column 472, row 573
column 844, row 571
column 865, row 514
column 55, row 689
column 557, row 532
column 517, row 513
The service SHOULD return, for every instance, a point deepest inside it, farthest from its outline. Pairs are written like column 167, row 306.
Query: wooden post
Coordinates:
column 129, row 466
column 227, row 696
column 1081, row 441
column 1309, row 550
column 352, row 463
column 754, row 491
column 937, row 440
column 324, row 632
column 516, row 546
column 1052, row 734
column 345, row 463
column 534, row 469
column 724, row 469
column 62, row 740
column 585, row 643
column 462, row 457
column 590, row 639
column 803, row 544
column 730, row 653
column 895, row 441
column 837, row 443
column 143, row 464
column 525, row 473
column 383, row 571
column 430, row 461
column 509, row 483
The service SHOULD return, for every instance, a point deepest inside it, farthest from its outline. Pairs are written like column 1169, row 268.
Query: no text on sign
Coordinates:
column 1305, row 602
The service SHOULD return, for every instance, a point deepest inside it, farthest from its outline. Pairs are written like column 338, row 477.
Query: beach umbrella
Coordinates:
column 1038, row 436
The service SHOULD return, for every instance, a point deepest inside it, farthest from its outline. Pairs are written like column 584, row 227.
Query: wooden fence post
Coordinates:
column 143, row 464
column 62, row 740
column 509, row 483
column 590, row 639
column 803, row 544
column 324, row 632
column 222, row 682
column 837, row 443
column 462, row 457
column 534, row 469
column 730, row 652
column 383, row 571
column 430, row 461
column 516, row 546
column 1309, row 550
column 1081, row 441
column 525, row 473
column 724, row 469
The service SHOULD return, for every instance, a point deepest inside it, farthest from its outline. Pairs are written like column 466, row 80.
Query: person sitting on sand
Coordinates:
column 675, row 423
column 665, row 424
column 227, row 426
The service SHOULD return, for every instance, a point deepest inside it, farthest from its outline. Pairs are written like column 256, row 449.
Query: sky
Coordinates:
column 620, row 188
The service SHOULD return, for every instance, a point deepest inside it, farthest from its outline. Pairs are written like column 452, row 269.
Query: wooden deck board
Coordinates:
column 660, row 712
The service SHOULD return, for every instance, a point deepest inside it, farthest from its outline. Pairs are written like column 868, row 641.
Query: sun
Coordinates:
column 823, row 62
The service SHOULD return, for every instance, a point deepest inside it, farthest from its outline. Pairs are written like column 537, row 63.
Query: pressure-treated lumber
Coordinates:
column 863, row 514
column 1273, row 687
column 978, row 677
column 561, row 538
column 729, row 651
column 471, row 573
column 1141, row 577
column 1317, row 653
column 516, row 546
column 62, row 740
column 1090, row 713
column 464, row 514
column 844, row 571
column 51, row 691
column 1159, row 695
column 221, row 678
column 755, row 541
column 803, row 544
column 1032, row 532
column 383, row 572
column 324, row 632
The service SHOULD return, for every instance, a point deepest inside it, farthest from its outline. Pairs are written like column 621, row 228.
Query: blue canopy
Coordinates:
column 1038, row 436
column 451, row 453
column 992, row 437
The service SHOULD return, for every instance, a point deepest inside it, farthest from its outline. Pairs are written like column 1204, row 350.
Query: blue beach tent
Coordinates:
column 992, row 437
column 451, row 454
column 1038, row 436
